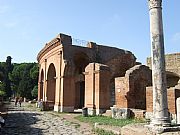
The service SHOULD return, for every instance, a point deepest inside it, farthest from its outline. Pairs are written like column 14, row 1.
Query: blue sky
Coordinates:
column 26, row 25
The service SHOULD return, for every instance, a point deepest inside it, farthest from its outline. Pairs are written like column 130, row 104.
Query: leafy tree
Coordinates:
column 2, row 89
column 34, row 92
column 18, row 78
column 5, row 69
column 2, row 72
column 24, row 78
column 34, row 72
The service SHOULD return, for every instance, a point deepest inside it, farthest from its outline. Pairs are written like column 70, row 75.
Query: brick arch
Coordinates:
column 51, row 83
column 80, row 60
column 139, row 78
column 41, row 80
column 77, row 64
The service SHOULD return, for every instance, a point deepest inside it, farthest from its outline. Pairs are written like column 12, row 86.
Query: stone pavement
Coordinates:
column 24, row 121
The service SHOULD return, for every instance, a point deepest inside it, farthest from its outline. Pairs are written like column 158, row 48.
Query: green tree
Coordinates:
column 24, row 78
column 5, row 69
column 2, row 89
column 34, row 92
column 7, row 82
column 2, row 74
column 2, row 68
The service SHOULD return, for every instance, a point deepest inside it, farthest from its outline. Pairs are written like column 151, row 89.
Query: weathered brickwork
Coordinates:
column 97, row 77
column 131, row 89
column 172, row 76
column 62, row 68
column 97, row 82
column 172, row 63
column 172, row 95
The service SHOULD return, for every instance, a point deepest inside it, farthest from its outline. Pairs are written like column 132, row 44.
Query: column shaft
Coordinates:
column 160, row 105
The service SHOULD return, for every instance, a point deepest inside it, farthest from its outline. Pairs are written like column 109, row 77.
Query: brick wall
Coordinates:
column 121, row 92
column 172, row 94
column 97, row 82
column 172, row 62
column 131, row 89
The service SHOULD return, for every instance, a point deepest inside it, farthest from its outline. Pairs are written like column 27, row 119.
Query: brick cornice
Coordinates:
column 49, row 46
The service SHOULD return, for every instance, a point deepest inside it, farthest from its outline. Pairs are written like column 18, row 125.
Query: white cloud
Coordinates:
column 176, row 37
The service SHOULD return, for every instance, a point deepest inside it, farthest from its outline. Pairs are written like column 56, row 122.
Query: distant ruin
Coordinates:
column 99, row 77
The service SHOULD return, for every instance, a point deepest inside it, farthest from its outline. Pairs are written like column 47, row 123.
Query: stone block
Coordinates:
column 91, row 111
column 120, row 113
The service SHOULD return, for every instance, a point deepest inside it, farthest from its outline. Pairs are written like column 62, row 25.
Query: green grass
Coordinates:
column 103, row 120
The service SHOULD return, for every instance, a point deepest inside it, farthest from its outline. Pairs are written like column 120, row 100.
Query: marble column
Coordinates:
column 160, row 105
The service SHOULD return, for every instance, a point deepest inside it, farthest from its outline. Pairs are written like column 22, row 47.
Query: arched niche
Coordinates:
column 41, row 83
column 51, row 83
column 81, row 60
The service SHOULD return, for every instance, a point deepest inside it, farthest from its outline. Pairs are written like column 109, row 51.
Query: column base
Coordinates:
column 57, row 108
column 161, row 129
column 91, row 111
column 164, row 122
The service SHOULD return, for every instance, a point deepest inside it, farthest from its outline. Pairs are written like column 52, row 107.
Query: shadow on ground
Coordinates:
column 20, row 124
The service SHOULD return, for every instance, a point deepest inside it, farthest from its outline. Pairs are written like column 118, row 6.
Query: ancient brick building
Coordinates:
column 98, row 77
column 73, row 76
column 173, row 86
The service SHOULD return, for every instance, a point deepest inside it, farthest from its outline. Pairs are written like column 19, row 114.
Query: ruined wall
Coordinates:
column 69, row 62
column 172, row 63
column 130, row 89
column 97, row 81
column 118, row 60
column 172, row 95
column 172, row 76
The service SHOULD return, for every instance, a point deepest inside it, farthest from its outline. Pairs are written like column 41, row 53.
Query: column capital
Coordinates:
column 155, row 3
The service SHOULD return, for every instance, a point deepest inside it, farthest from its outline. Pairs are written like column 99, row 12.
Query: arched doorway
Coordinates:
column 41, row 84
column 81, row 60
column 51, row 84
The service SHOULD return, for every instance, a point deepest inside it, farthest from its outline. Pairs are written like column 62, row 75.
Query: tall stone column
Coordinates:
column 160, row 105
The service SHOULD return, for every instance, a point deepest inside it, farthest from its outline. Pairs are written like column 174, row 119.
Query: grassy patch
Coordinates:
column 108, row 120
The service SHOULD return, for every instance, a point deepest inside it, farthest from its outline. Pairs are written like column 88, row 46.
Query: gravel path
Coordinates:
column 24, row 121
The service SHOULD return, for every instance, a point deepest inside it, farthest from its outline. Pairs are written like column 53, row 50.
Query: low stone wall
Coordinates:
column 125, row 113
